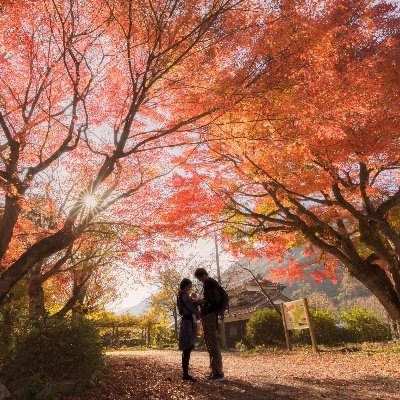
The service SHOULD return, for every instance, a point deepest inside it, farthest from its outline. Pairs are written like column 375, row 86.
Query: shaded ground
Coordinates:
column 155, row 375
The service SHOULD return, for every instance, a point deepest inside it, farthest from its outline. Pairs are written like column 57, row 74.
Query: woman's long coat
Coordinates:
column 188, row 328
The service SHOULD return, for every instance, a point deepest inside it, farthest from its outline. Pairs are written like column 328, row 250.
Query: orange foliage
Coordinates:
column 309, row 151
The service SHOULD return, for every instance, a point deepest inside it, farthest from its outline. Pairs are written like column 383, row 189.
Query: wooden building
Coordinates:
column 245, row 297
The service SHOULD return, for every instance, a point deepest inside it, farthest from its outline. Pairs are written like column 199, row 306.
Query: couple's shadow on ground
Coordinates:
column 235, row 389
column 310, row 389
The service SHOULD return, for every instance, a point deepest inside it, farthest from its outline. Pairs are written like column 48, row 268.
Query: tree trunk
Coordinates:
column 371, row 275
column 395, row 330
column 148, row 336
column 77, row 295
column 113, row 336
column 117, row 343
column 376, row 280
column 80, row 307
column 33, row 256
column 12, row 210
column 37, row 307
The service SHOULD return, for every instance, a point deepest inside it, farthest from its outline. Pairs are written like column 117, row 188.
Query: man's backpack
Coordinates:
column 224, row 303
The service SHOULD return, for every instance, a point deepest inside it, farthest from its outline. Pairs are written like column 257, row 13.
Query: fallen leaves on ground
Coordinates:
column 155, row 375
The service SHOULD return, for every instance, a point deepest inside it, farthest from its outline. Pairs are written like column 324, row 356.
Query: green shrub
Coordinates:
column 325, row 328
column 241, row 346
column 361, row 325
column 58, row 348
column 13, row 317
column 265, row 328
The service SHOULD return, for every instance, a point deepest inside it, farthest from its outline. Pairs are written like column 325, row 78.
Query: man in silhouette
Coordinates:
column 209, row 318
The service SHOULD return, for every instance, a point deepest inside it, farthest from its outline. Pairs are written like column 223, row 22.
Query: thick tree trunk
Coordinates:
column 37, row 307
column 69, row 305
column 371, row 275
column 80, row 307
column 395, row 330
column 389, row 253
column 33, row 256
column 77, row 295
column 376, row 280
column 12, row 210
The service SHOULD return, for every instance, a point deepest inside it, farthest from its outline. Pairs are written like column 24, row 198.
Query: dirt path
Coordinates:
column 155, row 375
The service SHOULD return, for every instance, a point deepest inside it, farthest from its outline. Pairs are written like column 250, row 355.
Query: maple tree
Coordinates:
column 85, row 267
column 289, row 115
column 95, row 95
column 308, row 157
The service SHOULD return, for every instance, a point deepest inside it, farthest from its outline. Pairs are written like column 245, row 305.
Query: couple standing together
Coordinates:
column 214, row 303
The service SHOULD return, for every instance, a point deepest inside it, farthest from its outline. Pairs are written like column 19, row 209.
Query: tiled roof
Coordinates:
column 247, row 302
column 253, row 282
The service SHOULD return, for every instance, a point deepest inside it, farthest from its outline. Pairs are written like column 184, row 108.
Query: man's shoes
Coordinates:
column 188, row 378
column 217, row 378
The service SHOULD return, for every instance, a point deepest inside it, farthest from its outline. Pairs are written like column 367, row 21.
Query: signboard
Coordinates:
column 295, row 315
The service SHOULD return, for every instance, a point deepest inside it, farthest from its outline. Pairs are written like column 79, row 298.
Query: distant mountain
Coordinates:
column 262, row 266
column 137, row 309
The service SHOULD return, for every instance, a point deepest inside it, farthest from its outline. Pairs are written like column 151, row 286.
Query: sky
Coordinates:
column 138, row 288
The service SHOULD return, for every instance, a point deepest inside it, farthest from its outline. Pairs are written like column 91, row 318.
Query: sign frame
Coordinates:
column 309, row 323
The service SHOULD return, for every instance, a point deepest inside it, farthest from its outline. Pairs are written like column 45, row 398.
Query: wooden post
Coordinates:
column 310, row 326
column 288, row 344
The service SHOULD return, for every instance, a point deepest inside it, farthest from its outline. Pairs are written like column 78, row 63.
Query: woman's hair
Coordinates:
column 185, row 282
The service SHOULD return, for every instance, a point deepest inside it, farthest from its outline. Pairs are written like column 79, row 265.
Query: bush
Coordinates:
column 362, row 326
column 58, row 348
column 325, row 328
column 13, row 317
column 265, row 328
column 241, row 346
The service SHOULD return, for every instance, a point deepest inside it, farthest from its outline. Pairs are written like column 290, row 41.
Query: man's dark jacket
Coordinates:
column 212, row 297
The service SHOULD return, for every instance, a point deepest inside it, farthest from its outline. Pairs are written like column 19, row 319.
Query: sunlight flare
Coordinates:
column 90, row 201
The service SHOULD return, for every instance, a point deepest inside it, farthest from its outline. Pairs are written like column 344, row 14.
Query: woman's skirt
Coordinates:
column 187, row 334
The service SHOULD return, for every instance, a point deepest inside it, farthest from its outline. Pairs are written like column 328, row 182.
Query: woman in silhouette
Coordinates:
column 189, row 313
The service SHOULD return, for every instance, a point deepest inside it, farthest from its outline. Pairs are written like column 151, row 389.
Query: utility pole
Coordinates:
column 222, row 322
